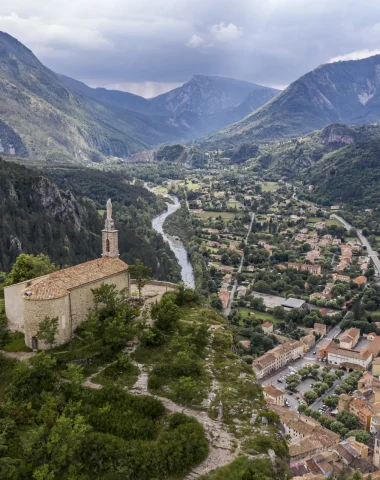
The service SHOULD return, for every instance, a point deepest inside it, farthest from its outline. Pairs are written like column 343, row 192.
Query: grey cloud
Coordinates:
column 148, row 46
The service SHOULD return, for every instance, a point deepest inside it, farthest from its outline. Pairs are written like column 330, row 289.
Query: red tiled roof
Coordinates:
column 58, row 284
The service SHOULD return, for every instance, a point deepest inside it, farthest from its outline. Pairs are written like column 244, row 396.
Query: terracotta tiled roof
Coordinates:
column 58, row 284
column 350, row 334
column 272, row 391
column 267, row 324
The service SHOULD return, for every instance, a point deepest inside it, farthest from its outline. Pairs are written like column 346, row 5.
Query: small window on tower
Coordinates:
column 107, row 246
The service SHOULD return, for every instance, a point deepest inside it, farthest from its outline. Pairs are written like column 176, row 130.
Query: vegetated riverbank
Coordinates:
column 179, row 224
column 175, row 244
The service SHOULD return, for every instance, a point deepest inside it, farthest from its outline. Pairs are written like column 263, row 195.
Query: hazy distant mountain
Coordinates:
column 201, row 105
column 344, row 92
column 43, row 118
column 117, row 98
column 53, row 117
column 207, row 95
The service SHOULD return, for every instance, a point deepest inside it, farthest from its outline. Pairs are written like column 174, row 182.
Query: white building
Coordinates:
column 277, row 357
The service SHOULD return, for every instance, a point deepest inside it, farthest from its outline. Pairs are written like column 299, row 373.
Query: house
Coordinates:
column 358, row 406
column 241, row 291
column 65, row 294
column 308, row 435
column 376, row 450
column 314, row 269
column 374, row 346
column 350, row 338
column 224, row 296
column 362, row 280
column 308, row 341
column 246, row 344
column 319, row 225
column 277, row 357
column 376, row 367
column 267, row 327
column 341, row 278
column 320, row 329
column 358, row 359
column 328, row 288
column 273, row 395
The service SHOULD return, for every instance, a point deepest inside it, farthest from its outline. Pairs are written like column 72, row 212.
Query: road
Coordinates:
column 371, row 252
column 227, row 310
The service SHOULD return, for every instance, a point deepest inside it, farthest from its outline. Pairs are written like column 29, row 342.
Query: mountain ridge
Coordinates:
column 345, row 92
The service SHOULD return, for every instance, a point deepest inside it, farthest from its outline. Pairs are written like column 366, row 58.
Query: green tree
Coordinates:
column 292, row 381
column 29, row 266
column 5, row 336
column 48, row 330
column 349, row 420
column 360, row 435
column 186, row 390
column 141, row 273
column 331, row 401
column 310, row 397
column 166, row 313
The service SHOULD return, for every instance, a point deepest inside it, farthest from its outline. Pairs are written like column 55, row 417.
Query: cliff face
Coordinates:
column 59, row 204
column 36, row 216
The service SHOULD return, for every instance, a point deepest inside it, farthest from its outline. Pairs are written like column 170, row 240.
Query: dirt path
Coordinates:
column 18, row 355
column 222, row 444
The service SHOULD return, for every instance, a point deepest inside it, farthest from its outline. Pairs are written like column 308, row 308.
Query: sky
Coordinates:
column 148, row 47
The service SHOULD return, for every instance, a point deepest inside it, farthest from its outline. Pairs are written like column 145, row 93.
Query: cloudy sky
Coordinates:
column 151, row 46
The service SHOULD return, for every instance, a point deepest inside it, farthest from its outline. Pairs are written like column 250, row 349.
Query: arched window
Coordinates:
column 107, row 246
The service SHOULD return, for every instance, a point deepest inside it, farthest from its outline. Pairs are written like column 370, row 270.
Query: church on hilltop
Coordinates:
column 65, row 294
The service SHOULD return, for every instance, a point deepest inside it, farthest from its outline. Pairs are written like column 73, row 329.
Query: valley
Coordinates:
column 189, row 283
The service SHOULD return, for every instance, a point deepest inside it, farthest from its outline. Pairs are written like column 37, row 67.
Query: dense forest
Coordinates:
column 350, row 175
column 37, row 217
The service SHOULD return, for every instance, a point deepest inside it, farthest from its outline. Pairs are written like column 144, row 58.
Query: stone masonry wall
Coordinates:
column 70, row 308
column 37, row 310
column 82, row 299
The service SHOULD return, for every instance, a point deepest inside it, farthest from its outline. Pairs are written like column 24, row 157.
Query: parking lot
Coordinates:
column 308, row 359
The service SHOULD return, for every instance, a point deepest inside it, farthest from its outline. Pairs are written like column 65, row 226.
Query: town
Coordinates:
column 300, row 289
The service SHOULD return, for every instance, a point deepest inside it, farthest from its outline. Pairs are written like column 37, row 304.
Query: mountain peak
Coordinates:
column 341, row 92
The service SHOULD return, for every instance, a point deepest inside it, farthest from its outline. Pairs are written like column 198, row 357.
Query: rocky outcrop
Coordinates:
column 58, row 203
column 337, row 133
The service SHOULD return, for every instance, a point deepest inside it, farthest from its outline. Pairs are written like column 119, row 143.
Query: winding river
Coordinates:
column 175, row 244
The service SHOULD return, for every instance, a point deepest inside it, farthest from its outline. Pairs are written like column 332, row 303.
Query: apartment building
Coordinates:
column 358, row 359
column 277, row 357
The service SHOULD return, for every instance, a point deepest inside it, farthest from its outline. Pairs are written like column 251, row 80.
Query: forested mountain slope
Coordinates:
column 37, row 217
column 290, row 157
column 350, row 175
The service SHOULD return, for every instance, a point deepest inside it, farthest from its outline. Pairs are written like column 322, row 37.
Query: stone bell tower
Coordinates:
column 110, row 240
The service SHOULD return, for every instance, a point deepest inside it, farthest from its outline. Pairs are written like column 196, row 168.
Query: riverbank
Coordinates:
column 179, row 223
column 174, row 241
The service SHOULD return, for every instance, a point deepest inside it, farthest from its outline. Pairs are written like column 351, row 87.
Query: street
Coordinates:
column 227, row 310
